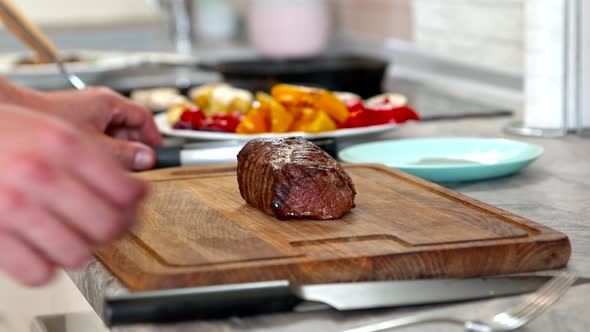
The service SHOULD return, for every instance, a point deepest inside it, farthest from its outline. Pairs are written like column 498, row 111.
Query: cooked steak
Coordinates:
column 293, row 178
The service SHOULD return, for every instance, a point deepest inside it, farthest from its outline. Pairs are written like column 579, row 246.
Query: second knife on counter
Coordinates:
column 279, row 296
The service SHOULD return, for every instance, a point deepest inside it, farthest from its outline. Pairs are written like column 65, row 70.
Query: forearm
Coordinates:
column 18, row 95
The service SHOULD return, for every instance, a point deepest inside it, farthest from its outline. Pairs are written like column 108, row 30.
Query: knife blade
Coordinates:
column 198, row 154
column 205, row 153
column 279, row 296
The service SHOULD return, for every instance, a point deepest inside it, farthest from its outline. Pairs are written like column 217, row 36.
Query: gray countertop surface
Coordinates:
column 554, row 191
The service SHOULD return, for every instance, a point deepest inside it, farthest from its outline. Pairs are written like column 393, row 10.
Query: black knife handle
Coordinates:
column 329, row 145
column 167, row 156
column 200, row 303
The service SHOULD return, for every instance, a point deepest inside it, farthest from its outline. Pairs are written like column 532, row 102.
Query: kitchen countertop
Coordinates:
column 554, row 191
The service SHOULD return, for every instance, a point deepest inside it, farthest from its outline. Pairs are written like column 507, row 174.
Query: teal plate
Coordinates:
column 447, row 159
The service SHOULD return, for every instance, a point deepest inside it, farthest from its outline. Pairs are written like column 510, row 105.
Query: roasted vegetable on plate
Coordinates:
column 288, row 108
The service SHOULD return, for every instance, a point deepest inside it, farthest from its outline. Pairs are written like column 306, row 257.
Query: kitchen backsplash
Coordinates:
column 375, row 19
column 84, row 12
column 486, row 33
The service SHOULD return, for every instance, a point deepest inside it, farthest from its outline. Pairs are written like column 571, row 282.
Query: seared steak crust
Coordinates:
column 292, row 178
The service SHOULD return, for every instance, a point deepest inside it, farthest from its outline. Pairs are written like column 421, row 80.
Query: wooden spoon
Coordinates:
column 36, row 39
column 26, row 31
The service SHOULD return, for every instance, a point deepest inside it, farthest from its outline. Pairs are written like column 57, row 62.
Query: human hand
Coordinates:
column 60, row 195
column 128, row 126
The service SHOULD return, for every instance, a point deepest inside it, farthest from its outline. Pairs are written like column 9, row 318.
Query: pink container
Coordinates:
column 289, row 28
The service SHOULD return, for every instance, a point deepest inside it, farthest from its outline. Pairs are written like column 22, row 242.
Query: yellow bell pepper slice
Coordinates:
column 299, row 96
column 280, row 119
column 322, row 122
column 312, row 121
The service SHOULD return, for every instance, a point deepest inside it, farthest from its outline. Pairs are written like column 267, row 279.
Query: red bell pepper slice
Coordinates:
column 362, row 115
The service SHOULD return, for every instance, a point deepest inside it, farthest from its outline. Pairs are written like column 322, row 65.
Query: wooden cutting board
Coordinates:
column 195, row 229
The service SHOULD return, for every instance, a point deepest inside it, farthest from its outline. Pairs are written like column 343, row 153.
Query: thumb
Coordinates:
column 132, row 155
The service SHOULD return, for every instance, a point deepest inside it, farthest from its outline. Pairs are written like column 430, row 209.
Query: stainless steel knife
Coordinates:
column 198, row 154
column 277, row 296
column 205, row 153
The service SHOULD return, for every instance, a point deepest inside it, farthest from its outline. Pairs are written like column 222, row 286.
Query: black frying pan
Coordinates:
column 357, row 74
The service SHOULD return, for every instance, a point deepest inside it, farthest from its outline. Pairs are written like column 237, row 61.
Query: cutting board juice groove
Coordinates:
column 195, row 230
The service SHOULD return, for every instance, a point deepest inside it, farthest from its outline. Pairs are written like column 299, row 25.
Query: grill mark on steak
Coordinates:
column 292, row 178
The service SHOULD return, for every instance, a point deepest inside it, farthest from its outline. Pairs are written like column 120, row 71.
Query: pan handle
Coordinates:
column 207, row 66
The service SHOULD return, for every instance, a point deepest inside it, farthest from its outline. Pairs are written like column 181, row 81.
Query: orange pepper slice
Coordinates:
column 300, row 96
column 280, row 119
column 304, row 117
column 255, row 122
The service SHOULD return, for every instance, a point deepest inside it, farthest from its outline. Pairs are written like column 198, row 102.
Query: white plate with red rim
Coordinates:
column 203, row 135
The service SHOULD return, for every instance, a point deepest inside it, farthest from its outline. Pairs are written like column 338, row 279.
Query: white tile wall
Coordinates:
column 485, row 33
column 83, row 12
column 488, row 33
column 375, row 18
